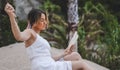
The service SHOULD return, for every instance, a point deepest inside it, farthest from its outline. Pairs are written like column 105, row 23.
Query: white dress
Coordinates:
column 40, row 57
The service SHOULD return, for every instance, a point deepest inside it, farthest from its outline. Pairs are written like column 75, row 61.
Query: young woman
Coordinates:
column 38, row 48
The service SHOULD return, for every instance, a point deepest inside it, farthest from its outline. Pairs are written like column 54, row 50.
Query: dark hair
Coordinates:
column 2, row 6
column 34, row 15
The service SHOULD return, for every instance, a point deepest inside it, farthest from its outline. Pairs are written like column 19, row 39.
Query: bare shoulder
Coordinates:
column 32, row 37
column 30, row 32
column 26, row 35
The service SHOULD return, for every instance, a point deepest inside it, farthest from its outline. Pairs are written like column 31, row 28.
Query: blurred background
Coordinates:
column 97, row 24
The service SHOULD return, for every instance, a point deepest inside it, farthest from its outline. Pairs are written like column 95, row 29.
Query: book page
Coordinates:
column 73, row 39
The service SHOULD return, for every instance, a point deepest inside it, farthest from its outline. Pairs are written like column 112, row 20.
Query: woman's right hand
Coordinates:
column 10, row 10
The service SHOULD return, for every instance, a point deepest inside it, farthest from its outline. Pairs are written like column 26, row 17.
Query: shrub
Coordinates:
column 99, row 33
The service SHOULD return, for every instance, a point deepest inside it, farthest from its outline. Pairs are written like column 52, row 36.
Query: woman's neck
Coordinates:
column 36, row 30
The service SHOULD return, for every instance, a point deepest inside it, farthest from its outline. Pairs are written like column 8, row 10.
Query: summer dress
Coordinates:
column 40, row 57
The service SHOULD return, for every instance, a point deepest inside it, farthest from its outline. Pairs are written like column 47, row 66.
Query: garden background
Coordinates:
column 98, row 27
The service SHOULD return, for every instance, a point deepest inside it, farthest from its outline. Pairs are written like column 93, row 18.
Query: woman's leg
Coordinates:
column 77, row 62
column 74, row 56
column 80, row 65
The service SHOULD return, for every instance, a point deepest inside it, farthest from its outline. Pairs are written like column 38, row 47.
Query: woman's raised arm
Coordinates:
column 20, row 36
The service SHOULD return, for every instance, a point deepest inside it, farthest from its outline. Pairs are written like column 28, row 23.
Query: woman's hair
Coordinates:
column 34, row 15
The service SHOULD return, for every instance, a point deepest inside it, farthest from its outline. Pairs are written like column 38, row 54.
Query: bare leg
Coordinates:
column 77, row 62
column 74, row 56
column 80, row 65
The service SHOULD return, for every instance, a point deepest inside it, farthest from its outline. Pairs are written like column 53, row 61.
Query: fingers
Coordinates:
column 9, row 7
column 10, row 10
column 72, row 48
column 68, row 51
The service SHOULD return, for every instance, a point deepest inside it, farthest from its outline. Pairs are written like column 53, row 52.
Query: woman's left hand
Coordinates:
column 69, row 50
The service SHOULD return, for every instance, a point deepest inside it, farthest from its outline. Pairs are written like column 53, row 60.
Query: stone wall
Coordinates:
column 24, row 6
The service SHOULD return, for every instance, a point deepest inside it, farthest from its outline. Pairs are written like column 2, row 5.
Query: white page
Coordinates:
column 73, row 39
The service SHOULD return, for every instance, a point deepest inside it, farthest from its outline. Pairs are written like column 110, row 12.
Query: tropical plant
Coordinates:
column 99, row 31
column 50, row 7
column 56, row 32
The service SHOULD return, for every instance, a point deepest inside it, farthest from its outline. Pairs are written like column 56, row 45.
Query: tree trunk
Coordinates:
column 72, row 18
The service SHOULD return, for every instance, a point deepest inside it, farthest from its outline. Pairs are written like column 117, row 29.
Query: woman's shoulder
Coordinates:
column 32, row 37
column 30, row 32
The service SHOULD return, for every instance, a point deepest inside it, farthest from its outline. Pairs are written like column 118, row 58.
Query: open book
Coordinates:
column 73, row 39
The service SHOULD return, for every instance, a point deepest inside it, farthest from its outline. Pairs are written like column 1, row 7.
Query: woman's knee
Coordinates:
column 77, row 65
column 81, row 65
column 76, row 55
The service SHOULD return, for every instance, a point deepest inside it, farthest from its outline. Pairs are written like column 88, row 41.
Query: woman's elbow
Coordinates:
column 18, row 38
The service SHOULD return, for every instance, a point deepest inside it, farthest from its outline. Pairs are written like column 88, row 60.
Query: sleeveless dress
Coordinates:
column 40, row 57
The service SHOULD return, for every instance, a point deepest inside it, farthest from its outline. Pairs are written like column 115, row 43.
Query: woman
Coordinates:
column 38, row 48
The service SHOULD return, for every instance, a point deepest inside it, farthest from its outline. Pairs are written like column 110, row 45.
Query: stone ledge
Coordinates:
column 14, row 57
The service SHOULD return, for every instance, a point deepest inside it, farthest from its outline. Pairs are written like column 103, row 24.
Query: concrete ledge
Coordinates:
column 14, row 57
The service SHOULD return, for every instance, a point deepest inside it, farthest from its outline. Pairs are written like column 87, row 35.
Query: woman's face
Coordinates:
column 41, row 24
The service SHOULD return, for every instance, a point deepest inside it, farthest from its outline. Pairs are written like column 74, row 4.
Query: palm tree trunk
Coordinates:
column 72, row 18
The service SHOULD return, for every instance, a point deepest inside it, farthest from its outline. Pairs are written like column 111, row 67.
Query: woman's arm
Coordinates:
column 67, row 51
column 20, row 36
column 57, row 57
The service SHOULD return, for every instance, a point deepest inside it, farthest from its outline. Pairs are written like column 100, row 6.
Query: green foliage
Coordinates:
column 6, row 36
column 99, row 31
column 22, row 24
column 56, row 33
column 50, row 7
